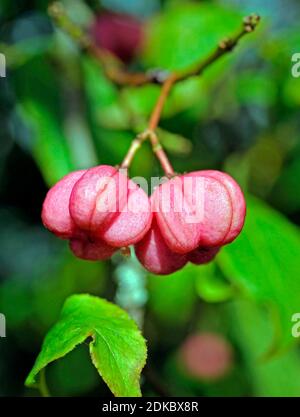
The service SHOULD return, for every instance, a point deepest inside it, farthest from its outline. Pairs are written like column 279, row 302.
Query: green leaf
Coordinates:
column 211, row 286
column 277, row 376
column 139, row 102
column 186, row 33
column 256, row 89
column 103, row 98
column 117, row 349
column 179, row 296
column 194, row 31
column 21, row 52
column 40, row 108
column 283, row 194
column 49, row 145
column 264, row 262
column 175, row 144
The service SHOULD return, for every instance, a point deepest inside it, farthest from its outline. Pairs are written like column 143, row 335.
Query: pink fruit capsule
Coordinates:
column 99, row 210
column 91, row 250
column 110, row 207
column 154, row 254
column 199, row 209
column 55, row 213
column 237, row 201
column 202, row 255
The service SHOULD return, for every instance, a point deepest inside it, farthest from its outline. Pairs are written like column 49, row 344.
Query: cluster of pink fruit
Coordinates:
column 100, row 210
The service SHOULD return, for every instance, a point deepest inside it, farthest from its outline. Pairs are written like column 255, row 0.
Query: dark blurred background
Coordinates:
column 59, row 112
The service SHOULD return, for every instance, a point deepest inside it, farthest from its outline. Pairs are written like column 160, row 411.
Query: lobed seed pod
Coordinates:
column 155, row 255
column 202, row 256
column 100, row 210
column 200, row 209
column 55, row 212
column 193, row 216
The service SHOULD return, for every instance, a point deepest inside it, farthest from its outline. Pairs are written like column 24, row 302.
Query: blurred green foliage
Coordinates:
column 60, row 113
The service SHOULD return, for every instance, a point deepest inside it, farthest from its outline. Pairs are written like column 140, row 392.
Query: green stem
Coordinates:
column 43, row 388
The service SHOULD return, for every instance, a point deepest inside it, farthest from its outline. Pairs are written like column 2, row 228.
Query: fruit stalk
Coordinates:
column 226, row 45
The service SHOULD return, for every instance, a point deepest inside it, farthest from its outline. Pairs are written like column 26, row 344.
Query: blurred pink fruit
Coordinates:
column 206, row 356
column 120, row 34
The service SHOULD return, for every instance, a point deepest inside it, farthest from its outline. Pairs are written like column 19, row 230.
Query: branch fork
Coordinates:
column 117, row 73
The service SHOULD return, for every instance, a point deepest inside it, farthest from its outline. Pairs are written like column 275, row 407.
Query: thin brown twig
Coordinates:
column 160, row 154
column 114, row 68
column 165, row 90
column 156, row 147
column 135, row 145
column 153, row 123
column 115, row 71
column 225, row 46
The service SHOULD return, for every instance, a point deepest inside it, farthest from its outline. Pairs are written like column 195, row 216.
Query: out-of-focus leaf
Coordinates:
column 211, row 286
column 291, row 92
column 264, row 263
column 172, row 298
column 265, row 162
column 79, row 12
column 27, row 35
column 110, row 116
column 185, row 94
column 256, row 88
column 284, row 194
column 103, row 98
column 239, row 168
column 187, row 32
column 72, row 275
column 131, row 107
column 40, row 294
column 139, row 102
column 39, row 105
column 19, row 53
column 140, row 8
column 82, row 150
column 118, row 349
column 175, row 144
column 49, row 146
column 100, row 90
column 44, row 276
column 194, row 31
column 252, row 329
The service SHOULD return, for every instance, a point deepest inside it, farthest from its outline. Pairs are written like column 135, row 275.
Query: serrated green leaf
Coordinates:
column 118, row 349
column 265, row 262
